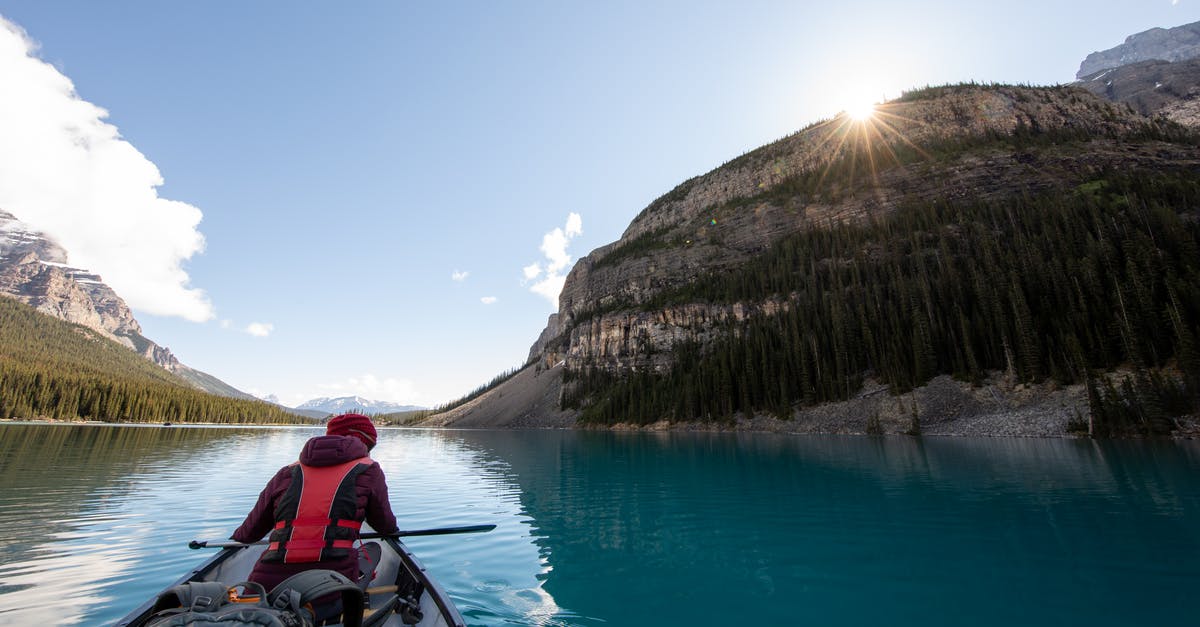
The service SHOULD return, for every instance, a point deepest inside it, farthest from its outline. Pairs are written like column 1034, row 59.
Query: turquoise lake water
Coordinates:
column 621, row 529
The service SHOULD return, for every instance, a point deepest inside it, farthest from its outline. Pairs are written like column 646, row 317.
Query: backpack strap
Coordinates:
column 204, row 596
column 307, row 586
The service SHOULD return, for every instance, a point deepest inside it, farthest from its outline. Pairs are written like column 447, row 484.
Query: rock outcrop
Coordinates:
column 1163, row 44
column 34, row 270
column 1153, row 88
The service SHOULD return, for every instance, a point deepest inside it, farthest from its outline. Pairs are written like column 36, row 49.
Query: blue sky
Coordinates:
column 351, row 193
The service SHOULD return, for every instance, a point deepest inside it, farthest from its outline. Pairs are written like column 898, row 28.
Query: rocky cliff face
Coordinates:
column 610, row 313
column 720, row 220
column 35, row 270
column 1163, row 44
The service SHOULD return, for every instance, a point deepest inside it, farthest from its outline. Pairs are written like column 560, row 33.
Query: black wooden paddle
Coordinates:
column 439, row 531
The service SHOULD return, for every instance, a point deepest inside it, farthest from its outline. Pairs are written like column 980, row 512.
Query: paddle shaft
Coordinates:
column 439, row 531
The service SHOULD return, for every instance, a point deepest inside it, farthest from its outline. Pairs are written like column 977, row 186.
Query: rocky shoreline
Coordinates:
column 999, row 407
column 943, row 407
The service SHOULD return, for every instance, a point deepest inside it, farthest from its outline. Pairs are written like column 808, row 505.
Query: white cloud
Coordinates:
column 374, row 388
column 550, row 287
column 532, row 270
column 67, row 172
column 488, row 300
column 260, row 329
column 459, row 276
column 554, row 247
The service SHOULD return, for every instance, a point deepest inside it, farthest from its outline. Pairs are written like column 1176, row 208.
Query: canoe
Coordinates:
column 399, row 577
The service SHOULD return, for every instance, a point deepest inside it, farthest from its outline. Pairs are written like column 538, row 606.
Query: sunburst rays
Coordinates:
column 865, row 138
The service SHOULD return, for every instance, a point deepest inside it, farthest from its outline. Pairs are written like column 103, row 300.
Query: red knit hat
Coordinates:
column 356, row 425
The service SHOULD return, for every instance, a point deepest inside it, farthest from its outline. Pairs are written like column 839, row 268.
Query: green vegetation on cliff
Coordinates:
column 1058, row 285
column 54, row 369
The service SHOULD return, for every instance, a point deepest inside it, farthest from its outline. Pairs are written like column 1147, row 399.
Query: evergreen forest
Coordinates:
column 1062, row 286
column 62, row 371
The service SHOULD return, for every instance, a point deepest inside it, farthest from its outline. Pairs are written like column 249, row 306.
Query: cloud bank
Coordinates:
column 459, row 276
column 66, row 172
column 551, row 277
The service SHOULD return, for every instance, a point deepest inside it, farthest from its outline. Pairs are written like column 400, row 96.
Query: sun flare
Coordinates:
column 861, row 111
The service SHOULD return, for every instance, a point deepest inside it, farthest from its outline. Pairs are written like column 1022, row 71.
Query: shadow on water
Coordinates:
column 732, row 528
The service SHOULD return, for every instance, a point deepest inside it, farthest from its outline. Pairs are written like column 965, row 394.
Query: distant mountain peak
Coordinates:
column 1163, row 44
column 343, row 404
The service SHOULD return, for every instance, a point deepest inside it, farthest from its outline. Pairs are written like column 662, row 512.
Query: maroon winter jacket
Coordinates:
column 373, row 506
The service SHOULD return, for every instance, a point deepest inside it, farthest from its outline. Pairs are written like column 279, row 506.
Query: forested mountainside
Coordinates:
column 965, row 230
column 1053, row 286
column 34, row 269
column 63, row 371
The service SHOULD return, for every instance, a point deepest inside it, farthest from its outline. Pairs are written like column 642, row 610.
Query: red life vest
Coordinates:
column 317, row 514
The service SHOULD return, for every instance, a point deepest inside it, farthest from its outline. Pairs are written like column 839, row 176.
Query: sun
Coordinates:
column 861, row 111
column 857, row 100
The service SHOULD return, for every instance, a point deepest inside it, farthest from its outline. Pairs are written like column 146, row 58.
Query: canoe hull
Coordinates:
column 398, row 575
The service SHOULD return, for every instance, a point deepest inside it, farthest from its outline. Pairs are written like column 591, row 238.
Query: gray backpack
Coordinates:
column 203, row 604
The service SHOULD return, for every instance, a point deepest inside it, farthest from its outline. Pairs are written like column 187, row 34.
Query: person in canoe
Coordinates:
column 313, row 508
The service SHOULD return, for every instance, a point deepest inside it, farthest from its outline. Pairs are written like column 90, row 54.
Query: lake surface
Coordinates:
column 644, row 529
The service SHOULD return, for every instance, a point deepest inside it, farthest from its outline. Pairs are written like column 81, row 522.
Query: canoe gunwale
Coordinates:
column 414, row 566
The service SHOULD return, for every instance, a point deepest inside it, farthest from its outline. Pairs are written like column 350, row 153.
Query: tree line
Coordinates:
column 62, row 371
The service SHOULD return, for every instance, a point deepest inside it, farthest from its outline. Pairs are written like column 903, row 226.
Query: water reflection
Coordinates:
column 82, row 507
column 494, row 578
column 717, row 528
column 112, row 509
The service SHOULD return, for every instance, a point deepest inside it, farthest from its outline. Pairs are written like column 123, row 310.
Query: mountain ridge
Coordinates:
column 1163, row 44
column 625, row 309
column 342, row 404
column 617, row 313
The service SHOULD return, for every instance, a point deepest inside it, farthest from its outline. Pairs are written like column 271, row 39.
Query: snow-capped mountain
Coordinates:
column 345, row 404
